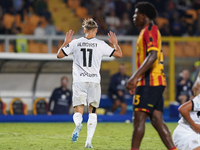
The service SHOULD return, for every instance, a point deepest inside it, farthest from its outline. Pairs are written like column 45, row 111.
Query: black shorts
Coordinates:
column 148, row 98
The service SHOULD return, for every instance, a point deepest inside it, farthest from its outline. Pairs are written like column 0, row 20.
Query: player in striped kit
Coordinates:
column 87, row 54
column 148, row 81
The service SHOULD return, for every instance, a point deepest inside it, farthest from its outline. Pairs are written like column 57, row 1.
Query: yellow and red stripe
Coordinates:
column 150, row 39
column 142, row 109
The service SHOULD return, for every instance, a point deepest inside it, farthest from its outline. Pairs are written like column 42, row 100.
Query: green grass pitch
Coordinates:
column 57, row 136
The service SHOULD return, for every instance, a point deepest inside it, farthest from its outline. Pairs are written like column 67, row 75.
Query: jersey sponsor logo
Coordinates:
column 85, row 44
column 88, row 74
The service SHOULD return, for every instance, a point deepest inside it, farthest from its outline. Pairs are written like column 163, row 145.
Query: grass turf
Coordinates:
column 57, row 136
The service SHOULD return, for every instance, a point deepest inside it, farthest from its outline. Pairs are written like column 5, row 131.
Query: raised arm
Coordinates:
column 113, row 40
column 68, row 39
column 185, row 112
column 196, row 86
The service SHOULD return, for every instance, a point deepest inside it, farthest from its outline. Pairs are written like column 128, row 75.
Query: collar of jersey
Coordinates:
column 89, row 39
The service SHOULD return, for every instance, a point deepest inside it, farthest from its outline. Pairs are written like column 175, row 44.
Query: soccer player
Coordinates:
column 186, row 135
column 87, row 54
column 148, row 81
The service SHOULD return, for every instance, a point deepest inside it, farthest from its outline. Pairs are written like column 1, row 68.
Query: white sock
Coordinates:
column 77, row 117
column 91, row 126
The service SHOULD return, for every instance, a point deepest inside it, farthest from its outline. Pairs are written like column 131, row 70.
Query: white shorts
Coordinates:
column 185, row 139
column 85, row 93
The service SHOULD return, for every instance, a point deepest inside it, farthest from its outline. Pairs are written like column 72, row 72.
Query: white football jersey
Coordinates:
column 87, row 56
column 194, row 114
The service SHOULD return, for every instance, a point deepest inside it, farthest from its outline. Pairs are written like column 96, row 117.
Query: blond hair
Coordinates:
column 89, row 24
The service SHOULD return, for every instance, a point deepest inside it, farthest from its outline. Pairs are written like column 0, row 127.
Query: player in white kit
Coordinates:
column 186, row 136
column 87, row 54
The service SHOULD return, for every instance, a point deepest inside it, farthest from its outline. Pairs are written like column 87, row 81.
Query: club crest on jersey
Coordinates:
column 195, row 142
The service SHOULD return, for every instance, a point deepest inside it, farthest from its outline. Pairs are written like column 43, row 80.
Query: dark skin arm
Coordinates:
column 196, row 86
column 185, row 112
column 146, row 65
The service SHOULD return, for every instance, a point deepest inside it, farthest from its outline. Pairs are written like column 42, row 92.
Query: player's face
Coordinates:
column 138, row 18
column 64, row 82
column 185, row 74
column 122, row 69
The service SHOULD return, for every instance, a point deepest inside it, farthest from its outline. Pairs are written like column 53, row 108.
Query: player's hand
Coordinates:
column 132, row 91
column 196, row 128
column 182, row 82
column 120, row 93
column 196, row 88
column 68, row 36
column 112, row 38
column 131, row 85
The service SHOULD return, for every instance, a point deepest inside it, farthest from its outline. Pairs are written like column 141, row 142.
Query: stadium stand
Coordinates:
column 193, row 16
column 63, row 16
column 73, row 4
column 32, row 22
column 82, row 12
column 18, row 20
column 126, row 49
column 165, row 49
column 161, row 21
column 37, row 47
column 8, row 20
column 10, row 48
column 64, row 13
column 71, row 12
column 1, row 47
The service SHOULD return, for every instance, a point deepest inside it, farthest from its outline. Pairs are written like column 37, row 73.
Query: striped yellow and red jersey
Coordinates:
column 150, row 39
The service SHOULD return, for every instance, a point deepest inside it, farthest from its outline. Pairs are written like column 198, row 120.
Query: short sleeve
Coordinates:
column 196, row 103
column 68, row 49
column 151, row 38
column 106, row 49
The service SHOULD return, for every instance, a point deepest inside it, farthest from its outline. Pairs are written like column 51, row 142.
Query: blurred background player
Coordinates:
column 116, row 90
column 184, row 87
column 87, row 53
column 61, row 99
column 186, row 135
column 148, row 81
